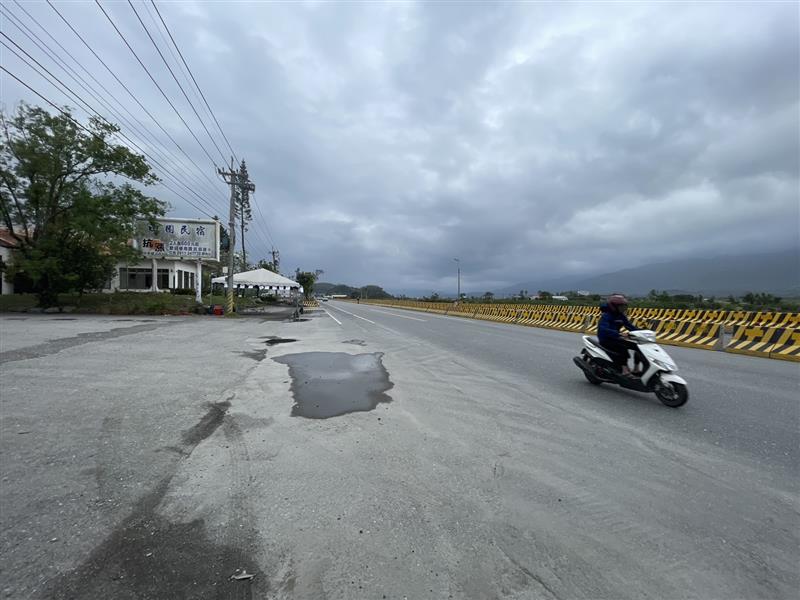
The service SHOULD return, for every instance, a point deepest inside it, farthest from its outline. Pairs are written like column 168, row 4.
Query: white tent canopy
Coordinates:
column 259, row 277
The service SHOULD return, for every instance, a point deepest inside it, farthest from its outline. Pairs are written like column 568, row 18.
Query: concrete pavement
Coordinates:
column 156, row 463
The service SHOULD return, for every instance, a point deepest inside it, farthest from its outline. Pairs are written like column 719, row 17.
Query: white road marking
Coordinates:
column 332, row 317
column 354, row 315
column 396, row 315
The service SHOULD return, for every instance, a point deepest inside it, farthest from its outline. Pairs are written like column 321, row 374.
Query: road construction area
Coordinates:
column 365, row 452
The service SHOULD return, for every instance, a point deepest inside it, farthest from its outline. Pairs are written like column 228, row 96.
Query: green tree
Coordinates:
column 488, row 296
column 267, row 264
column 60, row 197
column 242, row 202
column 307, row 280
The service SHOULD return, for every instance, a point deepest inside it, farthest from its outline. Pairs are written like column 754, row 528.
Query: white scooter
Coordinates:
column 657, row 375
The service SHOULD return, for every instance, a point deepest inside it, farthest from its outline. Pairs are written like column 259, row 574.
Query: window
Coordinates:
column 141, row 278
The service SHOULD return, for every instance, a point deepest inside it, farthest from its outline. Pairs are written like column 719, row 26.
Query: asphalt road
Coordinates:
column 157, row 457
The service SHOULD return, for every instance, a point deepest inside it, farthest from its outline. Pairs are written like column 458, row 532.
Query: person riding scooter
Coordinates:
column 611, row 322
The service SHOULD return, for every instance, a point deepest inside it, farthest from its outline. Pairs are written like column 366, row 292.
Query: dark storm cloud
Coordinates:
column 529, row 140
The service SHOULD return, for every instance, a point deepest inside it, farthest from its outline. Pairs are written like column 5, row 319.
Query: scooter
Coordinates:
column 656, row 375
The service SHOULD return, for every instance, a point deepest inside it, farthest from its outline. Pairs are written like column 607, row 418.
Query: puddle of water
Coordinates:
column 330, row 384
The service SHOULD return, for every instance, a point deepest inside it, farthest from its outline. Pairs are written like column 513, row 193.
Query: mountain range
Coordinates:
column 774, row 272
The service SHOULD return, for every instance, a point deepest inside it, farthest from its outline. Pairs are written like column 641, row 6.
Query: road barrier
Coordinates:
column 754, row 340
column 787, row 346
column 765, row 334
column 691, row 334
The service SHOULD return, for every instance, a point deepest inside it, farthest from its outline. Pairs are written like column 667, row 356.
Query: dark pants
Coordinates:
column 618, row 349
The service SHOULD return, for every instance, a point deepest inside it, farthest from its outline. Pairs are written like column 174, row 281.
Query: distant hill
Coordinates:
column 371, row 291
column 775, row 273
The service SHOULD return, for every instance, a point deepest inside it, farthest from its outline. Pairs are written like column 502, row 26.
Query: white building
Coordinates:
column 174, row 250
column 7, row 244
column 169, row 275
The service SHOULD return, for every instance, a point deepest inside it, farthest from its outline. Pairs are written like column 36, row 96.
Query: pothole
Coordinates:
column 355, row 342
column 331, row 384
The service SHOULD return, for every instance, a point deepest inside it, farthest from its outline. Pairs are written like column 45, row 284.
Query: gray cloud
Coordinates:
column 529, row 140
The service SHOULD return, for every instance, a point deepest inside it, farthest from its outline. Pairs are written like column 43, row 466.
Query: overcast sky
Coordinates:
column 530, row 140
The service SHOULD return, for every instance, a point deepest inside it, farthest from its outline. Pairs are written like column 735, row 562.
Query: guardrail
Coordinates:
column 756, row 333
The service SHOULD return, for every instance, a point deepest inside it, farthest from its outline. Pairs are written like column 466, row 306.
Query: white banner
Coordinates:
column 194, row 239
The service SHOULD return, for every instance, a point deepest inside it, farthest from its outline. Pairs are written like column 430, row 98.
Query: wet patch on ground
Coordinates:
column 57, row 345
column 207, row 425
column 330, row 384
column 256, row 355
column 271, row 340
column 148, row 556
column 355, row 342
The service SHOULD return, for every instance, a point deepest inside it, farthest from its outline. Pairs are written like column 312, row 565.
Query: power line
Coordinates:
column 171, row 72
column 256, row 228
column 130, row 93
column 75, row 75
column 91, row 110
column 89, row 131
column 266, row 224
column 166, row 43
column 146, row 70
column 91, row 90
column 194, row 80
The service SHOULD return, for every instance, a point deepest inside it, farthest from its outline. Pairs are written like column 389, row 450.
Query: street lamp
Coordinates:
column 458, row 262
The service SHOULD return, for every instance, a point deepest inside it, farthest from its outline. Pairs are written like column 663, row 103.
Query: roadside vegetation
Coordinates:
column 655, row 299
column 123, row 303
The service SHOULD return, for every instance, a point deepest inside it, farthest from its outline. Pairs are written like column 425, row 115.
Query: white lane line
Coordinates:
column 332, row 317
column 396, row 315
column 354, row 315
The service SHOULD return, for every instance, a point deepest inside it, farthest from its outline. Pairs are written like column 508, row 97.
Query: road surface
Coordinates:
column 370, row 452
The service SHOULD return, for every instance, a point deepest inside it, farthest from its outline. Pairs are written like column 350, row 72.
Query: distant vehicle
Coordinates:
column 562, row 298
column 324, row 298
column 657, row 374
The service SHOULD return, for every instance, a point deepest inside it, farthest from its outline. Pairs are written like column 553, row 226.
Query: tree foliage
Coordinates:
column 267, row 264
column 61, row 198
column 307, row 280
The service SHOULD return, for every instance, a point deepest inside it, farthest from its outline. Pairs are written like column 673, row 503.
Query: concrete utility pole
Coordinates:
column 234, row 179
column 276, row 259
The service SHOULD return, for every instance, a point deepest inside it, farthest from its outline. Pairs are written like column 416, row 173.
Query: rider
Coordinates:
column 608, row 331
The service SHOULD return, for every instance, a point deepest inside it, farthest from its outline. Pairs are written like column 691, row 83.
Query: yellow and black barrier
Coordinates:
column 690, row 334
column 787, row 346
column 765, row 334
column 754, row 340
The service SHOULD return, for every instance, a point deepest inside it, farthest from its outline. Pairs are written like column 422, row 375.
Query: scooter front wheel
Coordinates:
column 672, row 394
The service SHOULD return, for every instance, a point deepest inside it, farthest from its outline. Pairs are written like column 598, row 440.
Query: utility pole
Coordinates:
column 276, row 260
column 235, row 180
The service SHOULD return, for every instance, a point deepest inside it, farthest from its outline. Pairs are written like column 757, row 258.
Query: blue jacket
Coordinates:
column 610, row 324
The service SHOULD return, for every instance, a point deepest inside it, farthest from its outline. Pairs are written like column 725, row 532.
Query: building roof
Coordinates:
column 259, row 277
column 7, row 240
